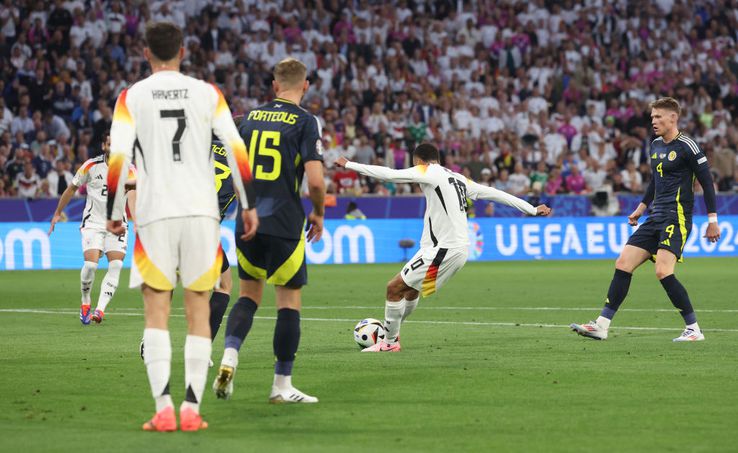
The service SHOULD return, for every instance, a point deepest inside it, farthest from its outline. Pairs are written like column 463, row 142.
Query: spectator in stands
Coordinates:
column 42, row 162
column 532, row 84
column 575, row 182
column 346, row 182
column 27, row 183
column 59, row 179
column 631, row 178
column 555, row 183
column 519, row 181
column 594, row 175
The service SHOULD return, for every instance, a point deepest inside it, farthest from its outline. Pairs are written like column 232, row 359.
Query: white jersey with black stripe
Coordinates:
column 94, row 174
column 446, row 194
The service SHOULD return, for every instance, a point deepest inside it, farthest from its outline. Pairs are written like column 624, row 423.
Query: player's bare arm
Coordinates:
column 316, row 186
column 63, row 202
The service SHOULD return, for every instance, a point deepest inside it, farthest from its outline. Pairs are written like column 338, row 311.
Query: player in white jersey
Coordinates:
column 96, row 240
column 168, row 120
column 444, row 246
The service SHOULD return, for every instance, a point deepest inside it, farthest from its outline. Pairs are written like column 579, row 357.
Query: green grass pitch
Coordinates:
column 488, row 364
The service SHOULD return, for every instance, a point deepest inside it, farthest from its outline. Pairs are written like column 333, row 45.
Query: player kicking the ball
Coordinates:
column 444, row 246
column 96, row 240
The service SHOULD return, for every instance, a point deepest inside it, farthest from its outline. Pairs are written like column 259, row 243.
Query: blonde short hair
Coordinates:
column 290, row 72
column 667, row 103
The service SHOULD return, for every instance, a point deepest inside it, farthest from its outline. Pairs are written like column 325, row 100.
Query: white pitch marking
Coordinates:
column 452, row 308
column 460, row 323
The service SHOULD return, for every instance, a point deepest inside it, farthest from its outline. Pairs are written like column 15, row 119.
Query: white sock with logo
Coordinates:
column 197, row 357
column 393, row 312
column 158, row 360
column 109, row 284
column 87, row 278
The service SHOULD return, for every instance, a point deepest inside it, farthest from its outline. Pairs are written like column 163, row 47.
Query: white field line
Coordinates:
column 66, row 312
column 452, row 308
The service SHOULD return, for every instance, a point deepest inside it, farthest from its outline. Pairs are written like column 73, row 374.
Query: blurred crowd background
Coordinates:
column 533, row 97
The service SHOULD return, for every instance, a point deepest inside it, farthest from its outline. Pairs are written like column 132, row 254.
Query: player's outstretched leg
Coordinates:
column 286, row 341
column 630, row 258
column 239, row 323
column 107, row 289
column 395, row 311
column 615, row 296
column 86, row 278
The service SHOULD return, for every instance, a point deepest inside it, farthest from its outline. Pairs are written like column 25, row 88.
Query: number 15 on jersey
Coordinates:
column 263, row 143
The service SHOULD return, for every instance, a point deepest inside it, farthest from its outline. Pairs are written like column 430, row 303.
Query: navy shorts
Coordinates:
column 669, row 234
column 277, row 260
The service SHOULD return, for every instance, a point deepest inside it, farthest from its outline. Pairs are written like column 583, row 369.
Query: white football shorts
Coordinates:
column 432, row 267
column 96, row 238
column 188, row 246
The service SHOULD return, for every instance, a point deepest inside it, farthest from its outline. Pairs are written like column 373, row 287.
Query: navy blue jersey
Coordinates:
column 675, row 165
column 281, row 137
column 223, row 180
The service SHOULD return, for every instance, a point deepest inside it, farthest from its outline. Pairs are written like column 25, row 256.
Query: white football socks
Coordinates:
column 158, row 359
column 694, row 327
column 230, row 357
column 410, row 307
column 603, row 322
column 282, row 382
column 86, row 278
column 109, row 284
column 197, row 357
column 393, row 312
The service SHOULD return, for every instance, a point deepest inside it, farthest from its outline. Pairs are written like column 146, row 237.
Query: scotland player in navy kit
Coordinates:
column 284, row 145
column 226, row 196
column 676, row 161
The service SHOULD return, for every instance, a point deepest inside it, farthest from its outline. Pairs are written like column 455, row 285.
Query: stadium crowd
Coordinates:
column 532, row 97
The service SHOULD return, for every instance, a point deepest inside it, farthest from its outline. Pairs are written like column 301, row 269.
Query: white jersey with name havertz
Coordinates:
column 444, row 245
column 94, row 174
column 168, row 120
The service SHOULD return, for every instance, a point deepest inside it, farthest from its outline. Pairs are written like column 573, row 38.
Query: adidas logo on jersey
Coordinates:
column 99, row 177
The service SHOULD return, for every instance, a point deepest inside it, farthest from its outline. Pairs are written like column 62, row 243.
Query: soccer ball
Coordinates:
column 368, row 332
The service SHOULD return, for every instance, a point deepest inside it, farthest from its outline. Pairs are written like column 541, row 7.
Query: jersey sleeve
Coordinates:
column 83, row 174
column 698, row 163
column 477, row 191
column 122, row 137
column 416, row 174
column 311, row 145
column 238, row 159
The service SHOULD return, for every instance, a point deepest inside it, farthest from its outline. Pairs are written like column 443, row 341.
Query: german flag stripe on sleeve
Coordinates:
column 222, row 106
column 121, row 113
column 115, row 166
